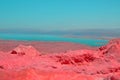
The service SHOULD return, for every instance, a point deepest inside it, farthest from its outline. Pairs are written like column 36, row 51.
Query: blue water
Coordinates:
column 53, row 38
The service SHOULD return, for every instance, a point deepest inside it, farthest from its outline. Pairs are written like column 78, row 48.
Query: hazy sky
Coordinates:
column 59, row 14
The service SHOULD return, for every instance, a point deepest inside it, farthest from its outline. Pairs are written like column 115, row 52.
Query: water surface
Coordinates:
column 53, row 38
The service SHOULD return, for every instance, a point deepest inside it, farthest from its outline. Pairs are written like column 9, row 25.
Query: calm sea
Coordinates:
column 53, row 38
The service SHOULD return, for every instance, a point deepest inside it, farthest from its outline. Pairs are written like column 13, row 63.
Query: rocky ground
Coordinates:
column 28, row 63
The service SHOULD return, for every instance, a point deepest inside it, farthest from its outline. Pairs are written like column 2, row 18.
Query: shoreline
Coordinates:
column 44, row 46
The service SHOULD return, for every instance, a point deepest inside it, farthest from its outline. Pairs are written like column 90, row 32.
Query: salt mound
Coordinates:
column 25, row 50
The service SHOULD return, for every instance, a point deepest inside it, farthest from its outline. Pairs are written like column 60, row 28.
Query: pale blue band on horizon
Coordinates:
column 53, row 38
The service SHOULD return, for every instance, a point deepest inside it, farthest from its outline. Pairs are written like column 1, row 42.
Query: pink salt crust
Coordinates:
column 26, row 63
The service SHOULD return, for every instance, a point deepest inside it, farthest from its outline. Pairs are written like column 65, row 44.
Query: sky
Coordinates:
column 58, row 15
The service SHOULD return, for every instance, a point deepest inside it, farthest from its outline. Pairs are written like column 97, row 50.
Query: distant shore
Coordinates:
column 44, row 47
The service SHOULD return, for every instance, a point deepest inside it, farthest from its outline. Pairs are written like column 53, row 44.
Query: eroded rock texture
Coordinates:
column 26, row 63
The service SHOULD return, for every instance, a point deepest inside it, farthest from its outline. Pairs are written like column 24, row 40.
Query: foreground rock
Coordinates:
column 26, row 63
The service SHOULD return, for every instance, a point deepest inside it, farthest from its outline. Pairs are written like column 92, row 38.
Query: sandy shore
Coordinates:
column 44, row 47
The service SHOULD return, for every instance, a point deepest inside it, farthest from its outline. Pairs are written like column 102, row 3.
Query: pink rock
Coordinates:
column 25, row 50
column 24, row 63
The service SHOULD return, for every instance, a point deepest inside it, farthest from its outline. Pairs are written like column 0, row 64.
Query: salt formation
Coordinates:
column 25, row 50
column 26, row 63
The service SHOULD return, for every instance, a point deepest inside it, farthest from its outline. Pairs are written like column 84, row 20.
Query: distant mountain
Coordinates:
column 76, row 33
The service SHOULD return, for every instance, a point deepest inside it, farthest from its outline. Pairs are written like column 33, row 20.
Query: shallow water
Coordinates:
column 53, row 38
